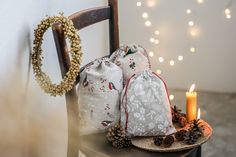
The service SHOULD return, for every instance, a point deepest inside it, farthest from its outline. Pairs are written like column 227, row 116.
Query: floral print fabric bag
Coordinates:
column 145, row 106
column 131, row 59
column 101, row 83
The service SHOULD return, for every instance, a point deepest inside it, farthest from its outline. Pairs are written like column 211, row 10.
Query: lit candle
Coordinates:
column 191, row 106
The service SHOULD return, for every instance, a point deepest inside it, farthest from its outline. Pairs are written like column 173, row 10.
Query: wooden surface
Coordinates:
column 147, row 142
column 96, row 145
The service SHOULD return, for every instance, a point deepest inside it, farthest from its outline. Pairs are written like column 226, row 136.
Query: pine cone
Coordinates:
column 115, row 133
column 127, row 142
column 195, row 126
column 118, row 143
column 182, row 121
column 191, row 137
column 158, row 140
column 168, row 141
column 180, row 135
column 176, row 113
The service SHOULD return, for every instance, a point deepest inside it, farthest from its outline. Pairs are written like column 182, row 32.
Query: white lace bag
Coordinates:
column 131, row 59
column 99, row 90
column 145, row 106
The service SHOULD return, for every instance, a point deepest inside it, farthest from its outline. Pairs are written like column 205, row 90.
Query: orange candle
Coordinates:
column 191, row 104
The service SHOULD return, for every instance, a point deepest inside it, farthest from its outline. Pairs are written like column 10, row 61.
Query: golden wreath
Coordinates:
column 69, row 79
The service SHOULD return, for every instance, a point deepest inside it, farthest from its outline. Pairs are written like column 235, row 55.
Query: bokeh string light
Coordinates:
column 200, row 1
column 193, row 32
column 139, row 4
column 227, row 11
column 145, row 15
column 171, row 97
column 148, row 23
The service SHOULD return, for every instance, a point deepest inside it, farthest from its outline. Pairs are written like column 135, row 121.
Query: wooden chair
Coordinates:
column 96, row 145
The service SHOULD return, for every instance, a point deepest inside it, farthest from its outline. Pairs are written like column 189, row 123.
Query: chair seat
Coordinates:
column 96, row 145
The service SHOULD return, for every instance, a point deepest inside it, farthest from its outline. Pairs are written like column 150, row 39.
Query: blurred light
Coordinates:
column 172, row 63
column 200, row 1
column 139, row 4
column 161, row 59
column 227, row 11
column 151, row 3
column 188, row 11
column 171, row 97
column 180, row 58
column 158, row 71
column 151, row 54
column 194, row 31
column 192, row 49
column 157, row 32
column 145, row 15
column 148, row 23
column 192, row 87
column 228, row 16
column 152, row 40
column 198, row 113
column 191, row 23
column 156, row 41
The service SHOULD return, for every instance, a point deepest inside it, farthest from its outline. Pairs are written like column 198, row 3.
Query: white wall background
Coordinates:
column 212, row 67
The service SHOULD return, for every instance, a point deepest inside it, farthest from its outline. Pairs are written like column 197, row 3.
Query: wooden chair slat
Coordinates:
column 88, row 17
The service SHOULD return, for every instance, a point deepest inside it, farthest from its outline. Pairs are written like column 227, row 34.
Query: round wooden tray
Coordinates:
column 147, row 143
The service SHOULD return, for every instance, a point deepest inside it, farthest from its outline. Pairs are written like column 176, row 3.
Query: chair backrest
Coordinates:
column 81, row 20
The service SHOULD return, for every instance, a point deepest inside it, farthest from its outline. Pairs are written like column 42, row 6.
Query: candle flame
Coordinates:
column 192, row 88
column 199, row 113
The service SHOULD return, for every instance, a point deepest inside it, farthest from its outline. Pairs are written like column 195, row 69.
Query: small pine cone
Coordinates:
column 191, row 137
column 127, row 142
column 182, row 121
column 197, row 127
column 115, row 132
column 158, row 140
column 176, row 113
column 118, row 143
column 179, row 135
column 175, row 118
column 168, row 141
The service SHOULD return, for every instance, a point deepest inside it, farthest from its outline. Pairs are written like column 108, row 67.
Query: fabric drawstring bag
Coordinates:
column 99, row 90
column 131, row 59
column 145, row 106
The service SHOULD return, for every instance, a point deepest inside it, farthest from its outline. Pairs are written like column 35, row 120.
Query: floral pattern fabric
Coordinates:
column 145, row 108
column 131, row 59
column 99, row 90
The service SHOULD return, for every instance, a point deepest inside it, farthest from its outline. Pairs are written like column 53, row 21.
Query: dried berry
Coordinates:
column 182, row 121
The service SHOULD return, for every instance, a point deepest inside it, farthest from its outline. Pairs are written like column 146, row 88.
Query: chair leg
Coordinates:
column 73, row 124
column 199, row 151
